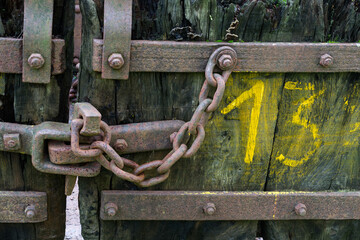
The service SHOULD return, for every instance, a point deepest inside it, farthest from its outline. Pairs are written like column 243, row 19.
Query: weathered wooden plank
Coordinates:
column 316, row 143
column 220, row 164
column 169, row 56
column 12, row 56
column 33, row 104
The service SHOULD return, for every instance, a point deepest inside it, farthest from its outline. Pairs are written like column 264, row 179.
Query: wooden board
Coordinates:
column 239, row 148
column 32, row 104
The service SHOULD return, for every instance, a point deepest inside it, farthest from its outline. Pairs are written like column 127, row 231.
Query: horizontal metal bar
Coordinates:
column 22, row 207
column 11, row 60
column 200, row 206
column 139, row 137
column 169, row 56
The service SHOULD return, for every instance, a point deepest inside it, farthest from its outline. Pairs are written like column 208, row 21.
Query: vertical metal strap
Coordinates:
column 38, row 18
column 117, row 39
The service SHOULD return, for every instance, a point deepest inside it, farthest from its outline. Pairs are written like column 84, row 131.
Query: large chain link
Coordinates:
column 225, row 58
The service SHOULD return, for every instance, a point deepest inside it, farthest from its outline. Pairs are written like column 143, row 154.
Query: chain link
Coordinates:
column 225, row 58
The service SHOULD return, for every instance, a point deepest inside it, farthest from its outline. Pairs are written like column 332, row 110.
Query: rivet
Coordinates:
column 11, row 141
column 116, row 61
column 30, row 211
column 111, row 209
column 36, row 61
column 120, row 145
column 326, row 60
column 300, row 209
column 209, row 209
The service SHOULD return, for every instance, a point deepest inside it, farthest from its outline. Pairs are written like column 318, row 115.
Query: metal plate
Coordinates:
column 14, row 204
column 38, row 17
column 169, row 56
column 140, row 137
column 12, row 60
column 117, row 36
column 188, row 205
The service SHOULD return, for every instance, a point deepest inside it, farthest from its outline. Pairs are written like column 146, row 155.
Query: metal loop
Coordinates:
column 147, row 166
column 125, row 175
column 209, row 70
column 198, row 114
column 197, row 142
column 166, row 165
column 106, row 148
column 76, row 125
column 181, row 134
column 219, row 93
column 154, row 181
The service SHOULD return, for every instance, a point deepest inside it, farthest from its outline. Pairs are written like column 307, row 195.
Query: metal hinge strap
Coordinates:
column 38, row 18
column 117, row 39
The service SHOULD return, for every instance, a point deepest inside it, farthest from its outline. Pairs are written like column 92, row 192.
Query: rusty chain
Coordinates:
column 225, row 58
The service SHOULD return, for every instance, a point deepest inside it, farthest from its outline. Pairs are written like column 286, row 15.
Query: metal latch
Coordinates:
column 101, row 140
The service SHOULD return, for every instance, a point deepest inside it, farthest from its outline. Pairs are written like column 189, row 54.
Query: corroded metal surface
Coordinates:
column 204, row 206
column 22, row 207
column 169, row 56
column 38, row 17
column 11, row 52
column 117, row 39
column 140, row 137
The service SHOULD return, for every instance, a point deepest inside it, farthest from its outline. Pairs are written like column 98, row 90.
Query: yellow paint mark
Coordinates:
column 292, row 86
column 275, row 203
column 355, row 127
column 255, row 92
column 299, row 86
column 305, row 123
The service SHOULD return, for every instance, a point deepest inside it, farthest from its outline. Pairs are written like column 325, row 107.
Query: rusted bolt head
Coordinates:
column 111, row 209
column 225, row 62
column 36, row 61
column 226, row 59
column 11, row 141
column 116, row 61
column 300, row 209
column 209, row 209
column 30, row 211
column 326, row 60
column 120, row 145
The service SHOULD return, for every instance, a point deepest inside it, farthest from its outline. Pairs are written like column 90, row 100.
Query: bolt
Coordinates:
column 300, row 209
column 209, row 209
column 120, row 145
column 30, row 211
column 36, row 61
column 326, row 60
column 11, row 143
column 111, row 209
column 116, row 61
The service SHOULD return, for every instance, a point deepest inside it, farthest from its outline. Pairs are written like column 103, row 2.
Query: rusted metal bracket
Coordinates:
column 12, row 56
column 205, row 206
column 117, row 39
column 38, row 18
column 169, row 56
column 22, row 207
column 32, row 140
